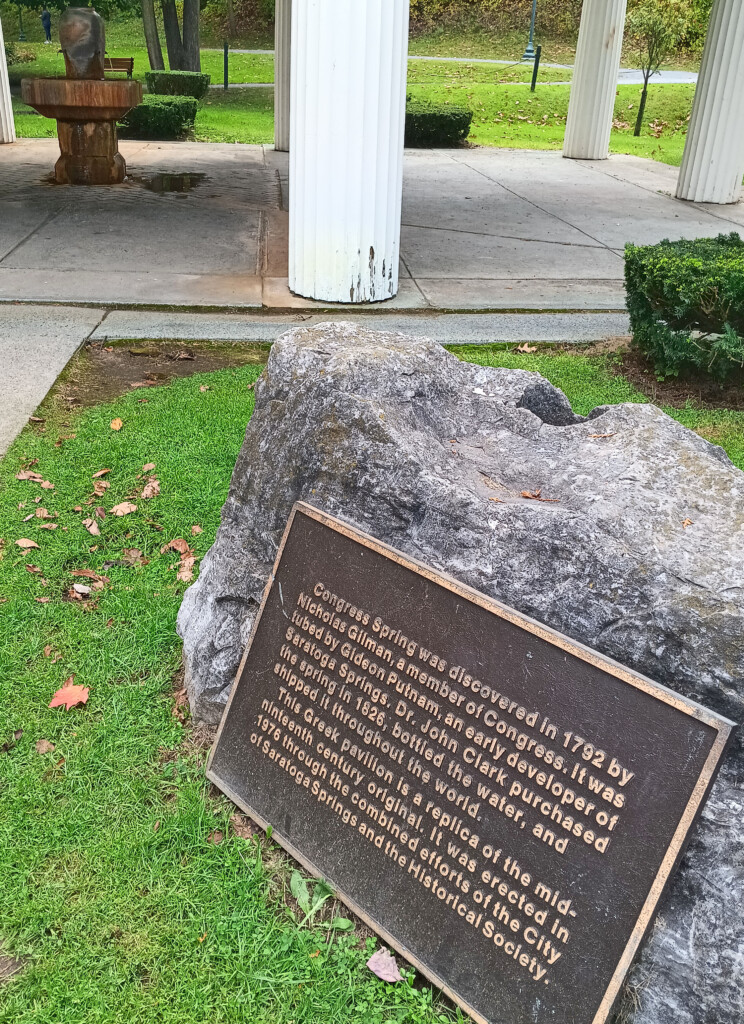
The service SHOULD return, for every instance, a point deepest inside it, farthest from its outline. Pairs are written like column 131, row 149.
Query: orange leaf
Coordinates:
column 179, row 544
column 70, row 695
column 116, row 424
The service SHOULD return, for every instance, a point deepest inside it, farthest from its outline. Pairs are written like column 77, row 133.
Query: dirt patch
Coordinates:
column 101, row 373
column 704, row 393
column 9, row 967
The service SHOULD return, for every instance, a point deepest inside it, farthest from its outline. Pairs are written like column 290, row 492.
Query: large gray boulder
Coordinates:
column 639, row 553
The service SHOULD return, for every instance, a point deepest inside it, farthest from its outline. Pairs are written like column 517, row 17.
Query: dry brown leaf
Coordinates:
column 116, row 424
column 196, row 529
column 156, row 826
column 32, row 568
column 204, row 387
column 36, row 419
column 100, row 487
column 537, row 496
column 133, row 556
column 602, row 435
column 47, row 485
column 27, row 474
column 92, row 527
column 242, row 826
column 26, row 518
column 151, row 488
column 42, row 513
column 43, row 600
column 524, row 347
column 215, row 837
column 178, row 544
column 148, row 466
column 44, row 747
column 48, row 526
column 25, row 543
column 186, row 569
column 101, row 472
column 498, row 501
column 124, row 508
column 687, row 522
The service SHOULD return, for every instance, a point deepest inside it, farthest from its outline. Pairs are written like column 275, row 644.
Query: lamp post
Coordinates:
column 21, row 33
column 529, row 53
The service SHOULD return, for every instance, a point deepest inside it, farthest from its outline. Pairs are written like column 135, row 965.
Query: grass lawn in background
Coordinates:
column 128, row 890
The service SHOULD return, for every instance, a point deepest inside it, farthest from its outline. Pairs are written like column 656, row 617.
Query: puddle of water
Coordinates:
column 172, row 181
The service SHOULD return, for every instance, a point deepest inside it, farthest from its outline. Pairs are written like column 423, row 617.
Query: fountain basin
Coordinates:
column 86, row 111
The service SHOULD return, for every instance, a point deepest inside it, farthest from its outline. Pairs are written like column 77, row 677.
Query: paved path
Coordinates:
column 35, row 345
column 483, row 229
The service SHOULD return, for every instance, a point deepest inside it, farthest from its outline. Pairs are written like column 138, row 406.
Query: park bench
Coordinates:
column 119, row 64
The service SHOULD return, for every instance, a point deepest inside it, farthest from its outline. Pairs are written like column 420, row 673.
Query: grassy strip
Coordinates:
column 109, row 883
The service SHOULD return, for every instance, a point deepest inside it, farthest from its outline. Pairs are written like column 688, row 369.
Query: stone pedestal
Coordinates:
column 282, row 60
column 7, row 125
column 348, row 89
column 713, row 161
column 89, row 154
column 594, row 82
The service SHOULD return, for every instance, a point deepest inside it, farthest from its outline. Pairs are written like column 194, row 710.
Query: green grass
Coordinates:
column 430, row 72
column 120, row 921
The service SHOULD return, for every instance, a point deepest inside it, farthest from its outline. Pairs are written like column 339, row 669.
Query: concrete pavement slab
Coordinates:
column 35, row 345
column 453, row 293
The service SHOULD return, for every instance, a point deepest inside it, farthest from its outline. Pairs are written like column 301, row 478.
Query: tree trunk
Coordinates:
column 191, row 55
column 172, row 35
column 231, row 18
column 641, row 107
column 154, row 52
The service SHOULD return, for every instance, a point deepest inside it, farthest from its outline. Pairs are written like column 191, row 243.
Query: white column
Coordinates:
column 713, row 161
column 347, row 120
column 594, row 83
column 7, row 124
column 282, row 58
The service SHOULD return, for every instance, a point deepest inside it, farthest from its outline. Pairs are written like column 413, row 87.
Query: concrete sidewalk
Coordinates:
column 483, row 229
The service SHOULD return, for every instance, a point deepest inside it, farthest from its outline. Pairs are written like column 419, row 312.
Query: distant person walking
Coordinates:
column 46, row 21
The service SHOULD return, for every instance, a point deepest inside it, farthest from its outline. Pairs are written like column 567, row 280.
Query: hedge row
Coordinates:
column 428, row 126
column 178, row 83
column 160, row 117
column 686, row 304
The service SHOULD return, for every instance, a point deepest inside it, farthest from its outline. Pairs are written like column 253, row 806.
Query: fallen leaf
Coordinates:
column 48, row 526
column 316, row 953
column 183, row 354
column 37, row 500
column 179, row 544
column 43, row 600
column 25, row 543
column 215, row 837
column 195, row 530
column 27, row 474
column 204, row 387
column 498, row 501
column 116, row 424
column 133, row 556
column 524, row 347
column 100, row 487
column 101, row 472
column 26, row 518
column 123, row 508
column 242, row 826
column 156, row 826
column 602, row 435
column 148, row 466
column 92, row 527
column 42, row 513
column 47, row 650
column 686, row 523
column 250, row 387
column 36, row 419
column 47, row 485
column 203, row 937
column 109, row 623
column 186, row 569
column 151, row 488
column 32, row 568
column 89, row 574
column 70, row 695
column 537, row 496
column 382, row 963
column 44, row 747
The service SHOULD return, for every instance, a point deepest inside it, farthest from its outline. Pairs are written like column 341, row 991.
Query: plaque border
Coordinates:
column 724, row 728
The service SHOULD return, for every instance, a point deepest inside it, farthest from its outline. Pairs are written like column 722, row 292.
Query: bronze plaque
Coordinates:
column 503, row 805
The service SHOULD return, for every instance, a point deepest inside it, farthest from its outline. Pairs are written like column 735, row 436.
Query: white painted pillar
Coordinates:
column 282, row 59
column 347, row 121
column 7, row 124
column 713, row 160
column 594, row 84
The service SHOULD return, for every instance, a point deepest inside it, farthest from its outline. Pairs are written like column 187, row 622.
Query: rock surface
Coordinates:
column 632, row 542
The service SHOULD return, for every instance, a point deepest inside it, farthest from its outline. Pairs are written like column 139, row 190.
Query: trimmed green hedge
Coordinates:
column 686, row 304
column 178, row 83
column 441, row 127
column 160, row 117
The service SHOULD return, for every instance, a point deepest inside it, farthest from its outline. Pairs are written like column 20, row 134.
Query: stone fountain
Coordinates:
column 85, row 105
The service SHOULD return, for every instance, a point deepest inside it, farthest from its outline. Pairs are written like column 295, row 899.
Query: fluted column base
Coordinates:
column 594, row 84
column 347, row 115
column 713, row 160
column 282, row 62
column 7, row 124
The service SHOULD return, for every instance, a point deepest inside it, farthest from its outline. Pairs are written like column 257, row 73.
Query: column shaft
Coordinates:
column 713, row 161
column 7, row 124
column 282, row 62
column 594, row 84
column 346, row 148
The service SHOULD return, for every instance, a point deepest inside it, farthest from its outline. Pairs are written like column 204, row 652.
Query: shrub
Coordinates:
column 178, row 83
column 443, row 127
column 14, row 55
column 686, row 304
column 160, row 117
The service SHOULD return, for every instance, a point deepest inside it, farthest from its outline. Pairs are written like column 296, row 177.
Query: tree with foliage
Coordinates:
column 658, row 28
